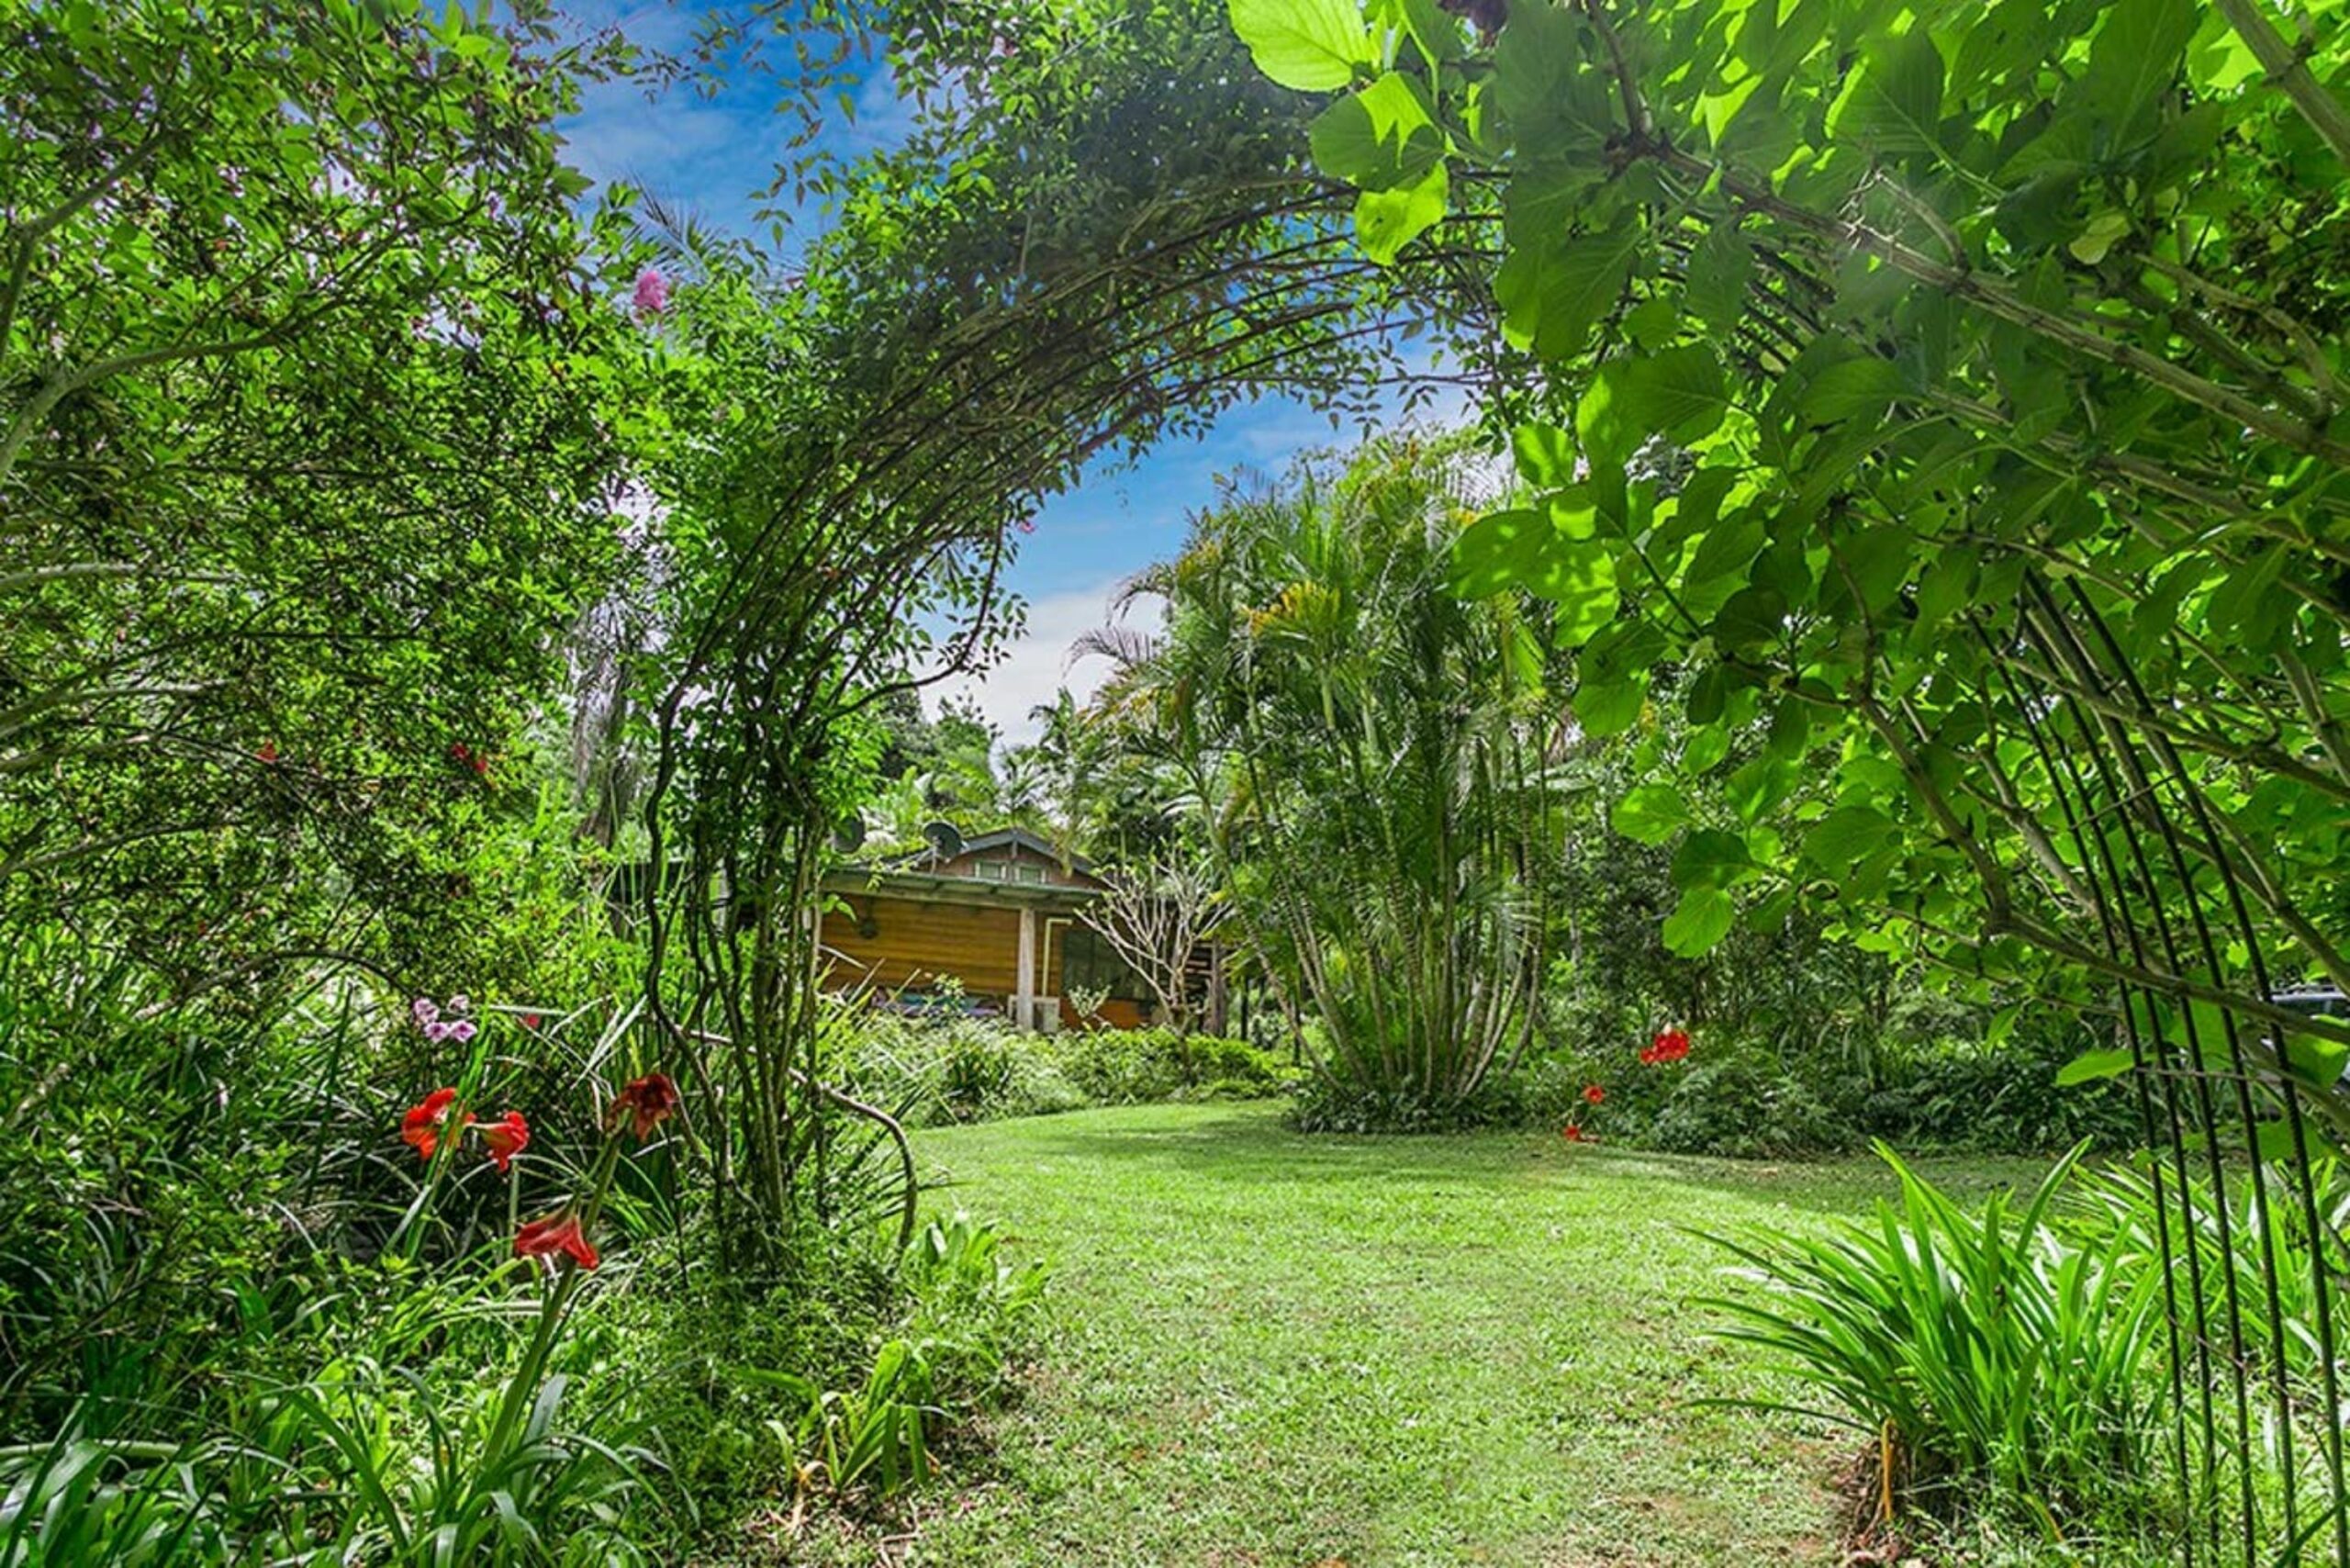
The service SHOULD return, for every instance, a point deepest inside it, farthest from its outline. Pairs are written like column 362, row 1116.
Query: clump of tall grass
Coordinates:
column 1987, row 1355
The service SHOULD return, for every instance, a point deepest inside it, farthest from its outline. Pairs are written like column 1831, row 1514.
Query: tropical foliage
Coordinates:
column 1365, row 749
column 1917, row 379
column 449, row 627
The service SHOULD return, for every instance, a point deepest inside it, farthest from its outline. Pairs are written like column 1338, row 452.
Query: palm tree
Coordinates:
column 1362, row 751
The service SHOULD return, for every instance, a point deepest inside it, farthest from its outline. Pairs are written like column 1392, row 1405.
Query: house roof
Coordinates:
column 936, row 886
column 919, row 875
column 1010, row 838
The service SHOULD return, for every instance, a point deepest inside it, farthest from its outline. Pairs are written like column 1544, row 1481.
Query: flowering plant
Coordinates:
column 1671, row 1045
column 1593, row 1095
column 441, row 1122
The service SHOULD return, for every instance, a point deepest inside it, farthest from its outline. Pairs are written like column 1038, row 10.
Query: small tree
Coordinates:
column 1155, row 916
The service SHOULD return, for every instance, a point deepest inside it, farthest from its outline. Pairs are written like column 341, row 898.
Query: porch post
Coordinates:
column 1023, row 997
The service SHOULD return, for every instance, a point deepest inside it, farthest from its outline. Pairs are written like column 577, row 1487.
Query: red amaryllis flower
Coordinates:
column 558, row 1232
column 504, row 1139
column 425, row 1125
column 1572, row 1133
column 649, row 1100
column 1592, row 1094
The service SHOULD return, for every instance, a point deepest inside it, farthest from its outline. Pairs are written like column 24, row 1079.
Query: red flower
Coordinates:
column 1670, row 1045
column 529, row 1020
column 506, row 1138
column 1592, row 1094
column 650, row 1101
column 1648, row 1056
column 558, row 1232
column 424, row 1124
column 1572, row 1133
column 268, row 752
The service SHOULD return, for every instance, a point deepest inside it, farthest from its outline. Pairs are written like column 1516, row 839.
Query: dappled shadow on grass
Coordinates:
column 1243, row 1145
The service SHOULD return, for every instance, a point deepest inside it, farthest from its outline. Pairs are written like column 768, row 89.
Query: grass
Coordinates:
column 1273, row 1348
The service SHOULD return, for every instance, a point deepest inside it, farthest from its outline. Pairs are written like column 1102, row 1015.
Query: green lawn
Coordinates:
column 1270, row 1348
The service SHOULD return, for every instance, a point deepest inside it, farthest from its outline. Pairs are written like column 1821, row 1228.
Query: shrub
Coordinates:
column 1743, row 1109
column 1325, row 1105
column 967, row 1070
column 1133, row 1066
column 1988, row 1349
column 1741, row 1098
column 933, row 1071
column 2002, row 1099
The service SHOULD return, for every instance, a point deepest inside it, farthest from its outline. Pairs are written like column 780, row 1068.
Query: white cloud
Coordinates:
column 1038, row 665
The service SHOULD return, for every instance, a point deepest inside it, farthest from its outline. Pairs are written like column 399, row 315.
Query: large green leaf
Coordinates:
column 1553, row 291
column 1699, row 922
column 1853, row 388
column 1652, row 813
column 1710, row 858
column 2133, row 61
column 1387, row 220
column 1379, row 139
column 1579, row 576
column 1893, row 102
column 1312, row 45
column 1719, row 268
column 1678, row 394
column 2091, row 1067
column 2315, row 1060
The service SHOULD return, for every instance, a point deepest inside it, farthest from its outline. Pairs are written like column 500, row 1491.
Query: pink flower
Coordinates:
column 651, row 293
column 425, row 1009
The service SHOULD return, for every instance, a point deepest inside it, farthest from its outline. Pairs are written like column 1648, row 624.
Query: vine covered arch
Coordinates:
column 1054, row 274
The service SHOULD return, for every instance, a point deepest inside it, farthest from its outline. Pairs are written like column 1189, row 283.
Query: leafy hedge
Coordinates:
column 934, row 1072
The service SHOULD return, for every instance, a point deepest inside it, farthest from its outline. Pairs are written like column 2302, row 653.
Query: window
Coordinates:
column 1087, row 962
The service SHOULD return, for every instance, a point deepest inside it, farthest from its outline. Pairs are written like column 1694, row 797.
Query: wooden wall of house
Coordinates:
column 915, row 943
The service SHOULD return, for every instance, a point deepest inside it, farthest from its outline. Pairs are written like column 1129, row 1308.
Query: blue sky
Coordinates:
column 710, row 152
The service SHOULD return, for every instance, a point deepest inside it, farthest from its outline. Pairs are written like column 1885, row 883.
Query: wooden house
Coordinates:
column 994, row 920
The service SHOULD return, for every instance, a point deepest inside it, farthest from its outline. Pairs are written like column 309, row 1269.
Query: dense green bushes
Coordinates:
column 1977, row 1350
column 965, row 1070
column 1740, row 1095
